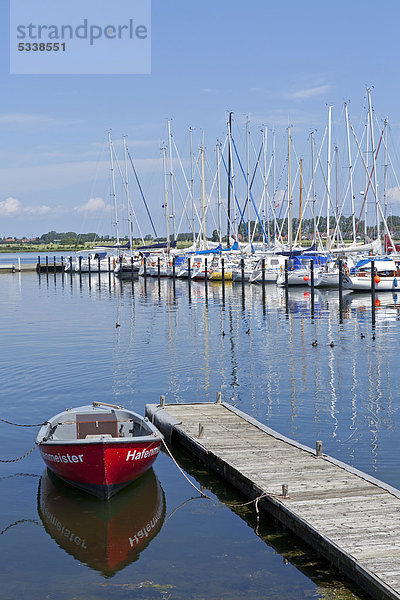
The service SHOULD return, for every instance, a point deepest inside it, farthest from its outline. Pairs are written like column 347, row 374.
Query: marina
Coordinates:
column 259, row 350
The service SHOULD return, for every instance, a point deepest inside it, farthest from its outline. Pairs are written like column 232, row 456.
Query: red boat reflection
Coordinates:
column 107, row 536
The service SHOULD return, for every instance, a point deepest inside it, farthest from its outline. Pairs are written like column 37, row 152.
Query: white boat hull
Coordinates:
column 357, row 282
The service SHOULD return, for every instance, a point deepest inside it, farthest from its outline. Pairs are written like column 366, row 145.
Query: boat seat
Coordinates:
column 101, row 436
column 96, row 424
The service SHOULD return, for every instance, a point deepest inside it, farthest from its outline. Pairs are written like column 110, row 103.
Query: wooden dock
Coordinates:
column 350, row 517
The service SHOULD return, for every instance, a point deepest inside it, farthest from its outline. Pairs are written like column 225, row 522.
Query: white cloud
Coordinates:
column 310, row 92
column 93, row 205
column 10, row 207
column 37, row 210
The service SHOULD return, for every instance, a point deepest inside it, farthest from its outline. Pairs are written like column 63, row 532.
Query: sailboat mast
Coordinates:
column 266, row 206
column 385, row 169
column 128, row 202
column 313, row 186
column 301, row 197
column 114, row 194
column 290, row 200
column 248, row 177
column 164, row 151
column 371, row 121
column 219, row 194
column 171, row 172
column 203, row 197
column 192, row 181
column 328, row 178
column 353, row 214
column 229, row 176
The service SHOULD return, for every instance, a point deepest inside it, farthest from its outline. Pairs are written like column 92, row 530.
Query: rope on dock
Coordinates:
column 19, row 425
column 232, row 504
column 21, row 457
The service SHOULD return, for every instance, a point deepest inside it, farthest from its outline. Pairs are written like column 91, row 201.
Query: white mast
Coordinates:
column 378, row 219
column 313, row 186
column 203, row 196
column 114, row 194
column 171, row 173
column 328, row 178
column 128, row 201
column 353, row 215
column 191, row 181
column 219, row 194
column 266, row 205
column 248, row 178
column 290, row 200
column 385, row 169
column 164, row 151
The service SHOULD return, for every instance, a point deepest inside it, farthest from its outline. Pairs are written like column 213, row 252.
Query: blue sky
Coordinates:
column 276, row 63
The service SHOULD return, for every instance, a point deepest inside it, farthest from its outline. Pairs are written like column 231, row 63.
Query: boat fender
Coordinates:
column 377, row 279
column 395, row 282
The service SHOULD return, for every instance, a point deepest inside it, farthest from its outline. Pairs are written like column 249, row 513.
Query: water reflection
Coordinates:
column 107, row 536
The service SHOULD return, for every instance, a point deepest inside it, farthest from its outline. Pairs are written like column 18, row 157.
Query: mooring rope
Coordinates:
column 21, row 457
column 19, row 425
column 232, row 504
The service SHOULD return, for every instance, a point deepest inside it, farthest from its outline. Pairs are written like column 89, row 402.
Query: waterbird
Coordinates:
column 314, row 343
column 362, row 335
column 248, row 332
column 223, row 333
column 117, row 325
column 332, row 344
column 373, row 336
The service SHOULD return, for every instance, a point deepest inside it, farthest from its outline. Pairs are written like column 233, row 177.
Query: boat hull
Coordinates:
column 103, row 468
column 385, row 284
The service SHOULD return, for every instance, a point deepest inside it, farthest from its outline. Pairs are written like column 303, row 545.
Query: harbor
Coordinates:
column 259, row 351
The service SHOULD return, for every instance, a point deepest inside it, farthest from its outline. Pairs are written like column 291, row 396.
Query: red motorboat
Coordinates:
column 99, row 448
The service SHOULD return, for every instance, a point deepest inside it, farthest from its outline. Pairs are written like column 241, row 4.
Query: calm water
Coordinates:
column 61, row 348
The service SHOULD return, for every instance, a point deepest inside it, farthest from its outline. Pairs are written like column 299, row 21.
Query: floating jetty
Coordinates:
column 348, row 516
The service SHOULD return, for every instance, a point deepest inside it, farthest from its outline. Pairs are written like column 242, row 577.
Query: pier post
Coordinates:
column 223, row 280
column 189, row 271
column 242, row 269
column 80, row 265
column 38, row 264
column 340, row 291
column 98, row 263
column 145, row 267
column 312, row 287
column 71, row 267
column 373, row 292
column 173, row 270
column 162, row 401
column 109, row 264
column 89, row 265
column 219, row 397
column 47, row 265
column 287, row 284
column 263, row 273
column 318, row 448
column 158, row 269
column 205, row 277
column 54, row 264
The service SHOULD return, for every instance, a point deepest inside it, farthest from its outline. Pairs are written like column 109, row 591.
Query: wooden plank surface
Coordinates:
column 350, row 517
